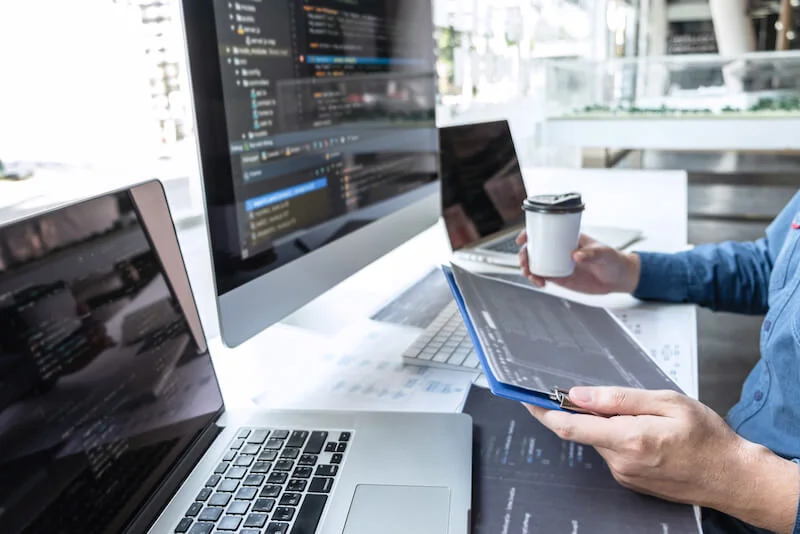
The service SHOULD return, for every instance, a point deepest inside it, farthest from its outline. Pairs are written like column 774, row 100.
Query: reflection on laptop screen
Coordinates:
column 102, row 384
column 482, row 186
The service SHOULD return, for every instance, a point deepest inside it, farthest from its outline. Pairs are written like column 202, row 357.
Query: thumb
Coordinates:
column 624, row 401
column 591, row 254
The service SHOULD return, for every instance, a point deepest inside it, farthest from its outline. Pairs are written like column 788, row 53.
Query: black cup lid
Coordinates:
column 564, row 203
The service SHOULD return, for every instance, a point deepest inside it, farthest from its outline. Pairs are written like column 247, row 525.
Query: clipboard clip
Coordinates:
column 562, row 398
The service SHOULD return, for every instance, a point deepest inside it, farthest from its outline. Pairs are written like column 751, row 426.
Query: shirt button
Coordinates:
column 758, row 395
column 767, row 325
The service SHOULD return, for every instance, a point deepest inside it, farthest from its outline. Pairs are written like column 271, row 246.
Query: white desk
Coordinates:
column 653, row 201
column 650, row 200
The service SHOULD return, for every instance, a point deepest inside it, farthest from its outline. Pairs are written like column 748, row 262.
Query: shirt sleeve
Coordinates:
column 729, row 276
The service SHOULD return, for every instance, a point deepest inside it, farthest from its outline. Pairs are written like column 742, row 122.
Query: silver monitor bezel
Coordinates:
column 249, row 309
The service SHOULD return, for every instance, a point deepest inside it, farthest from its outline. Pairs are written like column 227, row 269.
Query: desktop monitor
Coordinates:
column 318, row 144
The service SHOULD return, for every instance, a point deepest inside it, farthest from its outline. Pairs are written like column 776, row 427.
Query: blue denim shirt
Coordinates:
column 753, row 278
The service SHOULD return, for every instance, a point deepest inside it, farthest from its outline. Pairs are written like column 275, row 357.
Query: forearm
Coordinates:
column 728, row 277
column 761, row 489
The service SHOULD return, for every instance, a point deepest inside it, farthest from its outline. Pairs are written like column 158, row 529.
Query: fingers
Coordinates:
column 526, row 271
column 523, row 262
column 590, row 254
column 626, row 401
column 585, row 241
column 522, row 238
column 589, row 249
column 584, row 255
column 586, row 429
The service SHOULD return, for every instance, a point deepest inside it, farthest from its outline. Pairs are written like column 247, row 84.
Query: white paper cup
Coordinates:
column 553, row 224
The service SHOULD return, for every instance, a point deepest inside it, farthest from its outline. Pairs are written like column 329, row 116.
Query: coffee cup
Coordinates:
column 553, row 224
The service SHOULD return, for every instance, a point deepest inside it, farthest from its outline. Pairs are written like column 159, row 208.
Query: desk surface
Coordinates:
column 652, row 201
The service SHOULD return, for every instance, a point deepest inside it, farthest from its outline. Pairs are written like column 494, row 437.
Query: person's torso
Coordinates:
column 768, row 412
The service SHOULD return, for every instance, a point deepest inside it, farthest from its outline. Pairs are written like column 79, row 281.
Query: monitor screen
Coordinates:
column 326, row 112
column 104, row 380
column 482, row 185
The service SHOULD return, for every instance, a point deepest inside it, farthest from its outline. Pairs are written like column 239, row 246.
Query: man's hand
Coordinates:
column 599, row 269
column 668, row 445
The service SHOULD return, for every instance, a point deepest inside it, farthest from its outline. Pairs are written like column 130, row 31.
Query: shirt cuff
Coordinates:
column 796, row 529
column 662, row 277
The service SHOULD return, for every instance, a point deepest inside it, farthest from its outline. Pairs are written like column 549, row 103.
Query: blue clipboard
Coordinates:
column 555, row 400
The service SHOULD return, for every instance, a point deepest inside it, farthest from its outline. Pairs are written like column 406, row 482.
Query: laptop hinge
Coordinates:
column 183, row 467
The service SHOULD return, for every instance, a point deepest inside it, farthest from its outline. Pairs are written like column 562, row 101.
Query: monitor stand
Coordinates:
column 362, row 294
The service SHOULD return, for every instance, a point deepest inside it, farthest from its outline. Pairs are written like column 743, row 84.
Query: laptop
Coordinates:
column 106, row 429
column 482, row 194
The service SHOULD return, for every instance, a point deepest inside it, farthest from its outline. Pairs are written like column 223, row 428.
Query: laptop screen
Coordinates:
column 104, row 381
column 482, row 186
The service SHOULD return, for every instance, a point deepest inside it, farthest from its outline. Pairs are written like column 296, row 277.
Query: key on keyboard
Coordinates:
column 445, row 343
column 508, row 245
column 258, row 488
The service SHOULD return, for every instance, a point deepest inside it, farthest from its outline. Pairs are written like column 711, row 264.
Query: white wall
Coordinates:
column 73, row 83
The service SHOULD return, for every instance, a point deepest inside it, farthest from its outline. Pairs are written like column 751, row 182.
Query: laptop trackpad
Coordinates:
column 399, row 510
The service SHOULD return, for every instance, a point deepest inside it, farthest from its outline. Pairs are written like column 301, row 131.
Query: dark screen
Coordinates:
column 102, row 384
column 482, row 186
column 314, row 118
column 527, row 479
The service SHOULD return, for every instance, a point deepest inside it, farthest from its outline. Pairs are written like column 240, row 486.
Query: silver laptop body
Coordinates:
column 401, row 472
column 483, row 251
column 482, row 194
column 143, row 442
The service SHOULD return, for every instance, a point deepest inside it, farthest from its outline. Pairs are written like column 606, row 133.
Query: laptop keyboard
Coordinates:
column 444, row 343
column 269, row 482
column 507, row 245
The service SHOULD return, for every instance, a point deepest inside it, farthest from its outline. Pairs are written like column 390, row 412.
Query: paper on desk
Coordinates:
column 377, row 383
column 668, row 333
column 374, row 337
column 277, row 354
